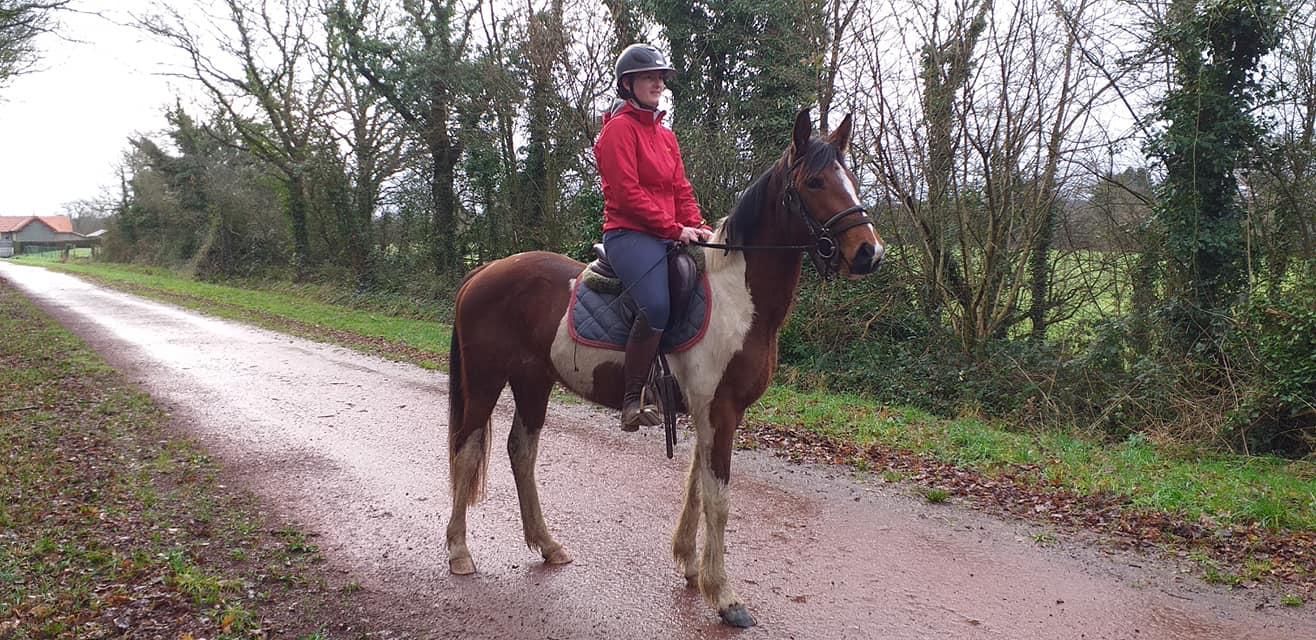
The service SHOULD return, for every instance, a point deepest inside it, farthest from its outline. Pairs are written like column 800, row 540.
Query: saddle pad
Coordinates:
column 602, row 320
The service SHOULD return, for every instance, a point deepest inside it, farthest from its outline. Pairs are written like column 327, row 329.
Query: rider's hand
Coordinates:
column 690, row 234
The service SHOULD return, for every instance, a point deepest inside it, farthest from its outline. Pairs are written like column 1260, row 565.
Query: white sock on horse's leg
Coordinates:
column 687, row 527
column 464, row 465
column 712, row 568
column 523, row 449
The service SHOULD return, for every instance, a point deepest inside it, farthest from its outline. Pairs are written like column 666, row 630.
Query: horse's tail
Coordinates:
column 472, row 485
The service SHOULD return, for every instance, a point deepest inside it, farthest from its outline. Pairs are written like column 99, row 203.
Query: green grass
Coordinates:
column 1278, row 494
column 1043, row 539
column 258, row 305
column 106, row 514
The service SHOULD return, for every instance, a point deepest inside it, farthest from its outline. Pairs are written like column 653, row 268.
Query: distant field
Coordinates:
column 1094, row 285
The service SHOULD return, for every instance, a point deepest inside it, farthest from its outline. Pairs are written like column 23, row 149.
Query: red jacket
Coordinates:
column 644, row 183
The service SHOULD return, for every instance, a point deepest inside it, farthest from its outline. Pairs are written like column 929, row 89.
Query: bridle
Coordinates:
column 822, row 251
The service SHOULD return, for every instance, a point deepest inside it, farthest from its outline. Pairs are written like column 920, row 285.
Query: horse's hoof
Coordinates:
column 737, row 615
column 560, row 556
column 461, row 566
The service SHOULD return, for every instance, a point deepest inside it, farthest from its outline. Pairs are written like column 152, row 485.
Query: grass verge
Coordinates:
column 1246, row 511
column 423, row 342
column 1242, row 520
column 110, row 524
column 1228, row 490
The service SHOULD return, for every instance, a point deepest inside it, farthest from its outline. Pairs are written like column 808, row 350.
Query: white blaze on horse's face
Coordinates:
column 843, row 177
column 857, row 261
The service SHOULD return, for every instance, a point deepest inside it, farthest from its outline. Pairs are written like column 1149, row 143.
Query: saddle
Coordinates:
column 684, row 267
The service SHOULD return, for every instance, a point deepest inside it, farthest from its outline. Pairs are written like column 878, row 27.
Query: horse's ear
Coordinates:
column 840, row 138
column 803, row 131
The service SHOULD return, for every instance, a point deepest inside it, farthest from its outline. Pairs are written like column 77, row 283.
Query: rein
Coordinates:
column 824, row 255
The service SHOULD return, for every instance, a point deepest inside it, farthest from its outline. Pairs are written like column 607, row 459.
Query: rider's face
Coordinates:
column 648, row 86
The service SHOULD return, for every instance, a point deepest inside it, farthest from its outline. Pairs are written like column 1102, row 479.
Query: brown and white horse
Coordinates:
column 511, row 327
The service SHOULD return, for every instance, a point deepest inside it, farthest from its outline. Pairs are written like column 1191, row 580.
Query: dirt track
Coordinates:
column 354, row 447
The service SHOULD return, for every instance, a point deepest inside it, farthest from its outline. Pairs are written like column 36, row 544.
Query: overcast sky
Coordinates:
column 64, row 128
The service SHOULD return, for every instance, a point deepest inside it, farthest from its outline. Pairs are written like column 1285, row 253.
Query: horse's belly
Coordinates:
column 596, row 374
column 589, row 372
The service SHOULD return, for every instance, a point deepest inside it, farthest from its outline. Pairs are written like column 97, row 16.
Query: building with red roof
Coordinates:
column 53, row 232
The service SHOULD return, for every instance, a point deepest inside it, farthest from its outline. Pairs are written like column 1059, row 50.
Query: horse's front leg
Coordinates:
column 683, row 538
column 714, row 459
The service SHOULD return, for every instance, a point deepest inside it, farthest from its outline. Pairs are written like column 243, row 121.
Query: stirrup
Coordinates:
column 648, row 415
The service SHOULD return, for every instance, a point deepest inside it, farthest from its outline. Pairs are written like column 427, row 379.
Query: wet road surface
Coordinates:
column 353, row 447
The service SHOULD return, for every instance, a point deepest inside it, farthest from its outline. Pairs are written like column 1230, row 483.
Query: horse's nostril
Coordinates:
column 864, row 259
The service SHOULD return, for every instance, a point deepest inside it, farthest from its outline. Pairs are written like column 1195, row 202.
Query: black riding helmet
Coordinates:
column 637, row 58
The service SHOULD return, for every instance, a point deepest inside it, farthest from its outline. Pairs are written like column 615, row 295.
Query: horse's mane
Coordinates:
column 757, row 200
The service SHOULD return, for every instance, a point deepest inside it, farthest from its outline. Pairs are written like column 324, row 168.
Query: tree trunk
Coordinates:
column 297, row 206
column 443, row 223
column 1040, row 275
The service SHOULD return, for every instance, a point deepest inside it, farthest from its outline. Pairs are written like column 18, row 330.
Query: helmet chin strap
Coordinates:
column 634, row 99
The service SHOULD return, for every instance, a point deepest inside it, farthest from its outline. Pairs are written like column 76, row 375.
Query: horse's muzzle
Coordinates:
column 866, row 260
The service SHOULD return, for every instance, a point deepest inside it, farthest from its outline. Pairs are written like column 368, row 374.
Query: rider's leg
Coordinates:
column 640, row 261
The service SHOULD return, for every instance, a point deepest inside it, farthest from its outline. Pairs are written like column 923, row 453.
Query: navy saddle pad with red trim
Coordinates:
column 602, row 320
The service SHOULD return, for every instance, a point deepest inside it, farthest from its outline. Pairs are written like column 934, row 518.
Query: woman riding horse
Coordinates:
column 648, row 205
column 511, row 327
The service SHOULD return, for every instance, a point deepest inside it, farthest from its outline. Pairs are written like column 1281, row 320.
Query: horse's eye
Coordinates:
column 814, row 183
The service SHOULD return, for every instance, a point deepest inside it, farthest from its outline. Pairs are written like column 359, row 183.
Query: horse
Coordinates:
column 511, row 327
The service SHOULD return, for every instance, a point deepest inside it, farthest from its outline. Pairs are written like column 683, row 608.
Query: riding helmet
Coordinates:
column 637, row 58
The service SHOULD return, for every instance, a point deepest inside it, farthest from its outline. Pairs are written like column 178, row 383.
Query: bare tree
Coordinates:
column 528, row 124
column 625, row 23
column 978, row 145
column 840, row 15
column 569, row 54
column 370, row 144
column 21, row 21
column 1281, row 188
column 263, row 70
column 418, row 68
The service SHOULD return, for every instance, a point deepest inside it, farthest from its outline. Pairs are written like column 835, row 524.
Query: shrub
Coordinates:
column 1275, row 344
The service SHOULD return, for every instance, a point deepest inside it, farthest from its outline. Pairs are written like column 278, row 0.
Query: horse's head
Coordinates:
column 822, row 189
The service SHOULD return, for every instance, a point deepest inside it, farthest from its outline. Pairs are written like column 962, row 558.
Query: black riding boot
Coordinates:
column 641, row 349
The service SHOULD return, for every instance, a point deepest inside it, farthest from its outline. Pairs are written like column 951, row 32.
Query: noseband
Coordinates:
column 822, row 252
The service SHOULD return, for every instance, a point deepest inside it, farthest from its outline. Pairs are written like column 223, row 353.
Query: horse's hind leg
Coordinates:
column 683, row 538
column 468, row 462
column 523, row 448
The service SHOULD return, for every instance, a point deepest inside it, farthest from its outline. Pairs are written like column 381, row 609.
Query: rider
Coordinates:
column 648, row 206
